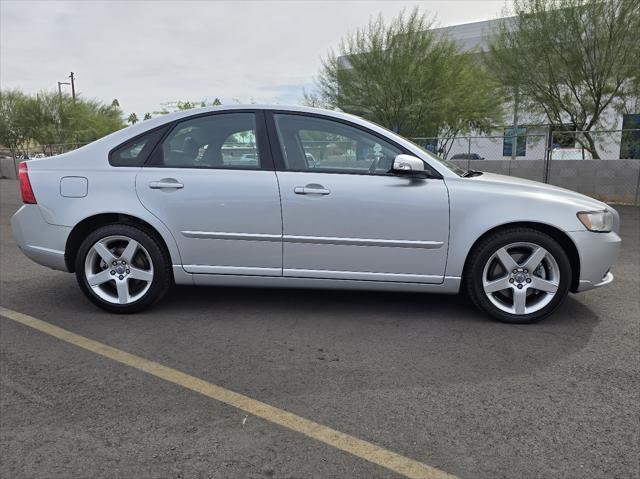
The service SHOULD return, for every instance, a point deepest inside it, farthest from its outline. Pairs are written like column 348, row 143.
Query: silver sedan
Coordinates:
column 299, row 197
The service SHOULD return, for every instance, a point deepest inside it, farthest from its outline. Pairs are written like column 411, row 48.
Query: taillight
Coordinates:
column 25, row 185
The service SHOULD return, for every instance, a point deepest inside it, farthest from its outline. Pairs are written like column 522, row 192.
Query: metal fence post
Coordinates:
column 547, row 157
column 637, row 200
column 469, row 153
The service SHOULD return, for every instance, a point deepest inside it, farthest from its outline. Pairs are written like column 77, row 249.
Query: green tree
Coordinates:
column 133, row 119
column 314, row 100
column 49, row 116
column 16, row 121
column 407, row 78
column 115, row 103
column 60, row 120
column 147, row 116
column 48, row 119
column 185, row 105
column 569, row 60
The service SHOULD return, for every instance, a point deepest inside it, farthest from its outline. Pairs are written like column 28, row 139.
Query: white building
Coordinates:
column 611, row 144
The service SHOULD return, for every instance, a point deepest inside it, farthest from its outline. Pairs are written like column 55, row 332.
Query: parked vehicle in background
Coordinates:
column 467, row 156
column 249, row 157
column 571, row 154
column 311, row 161
column 165, row 201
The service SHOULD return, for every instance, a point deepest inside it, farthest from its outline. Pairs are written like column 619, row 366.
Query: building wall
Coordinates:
column 473, row 36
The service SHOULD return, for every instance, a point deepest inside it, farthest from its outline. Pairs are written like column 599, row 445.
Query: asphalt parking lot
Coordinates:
column 425, row 376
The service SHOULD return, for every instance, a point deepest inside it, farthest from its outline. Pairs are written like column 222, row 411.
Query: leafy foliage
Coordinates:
column 570, row 59
column 49, row 118
column 408, row 78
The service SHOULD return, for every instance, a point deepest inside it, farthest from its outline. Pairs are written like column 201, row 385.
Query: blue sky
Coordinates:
column 148, row 52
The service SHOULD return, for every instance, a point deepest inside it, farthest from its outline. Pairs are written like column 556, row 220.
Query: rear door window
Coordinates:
column 226, row 140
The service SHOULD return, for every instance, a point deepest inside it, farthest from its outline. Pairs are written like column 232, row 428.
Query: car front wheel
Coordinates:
column 518, row 275
column 122, row 268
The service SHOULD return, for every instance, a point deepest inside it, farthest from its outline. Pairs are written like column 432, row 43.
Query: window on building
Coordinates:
column 507, row 144
column 630, row 140
column 429, row 144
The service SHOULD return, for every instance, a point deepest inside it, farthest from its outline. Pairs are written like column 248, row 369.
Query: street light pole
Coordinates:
column 60, row 83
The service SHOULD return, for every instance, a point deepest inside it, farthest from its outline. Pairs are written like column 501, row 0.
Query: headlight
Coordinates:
column 599, row 221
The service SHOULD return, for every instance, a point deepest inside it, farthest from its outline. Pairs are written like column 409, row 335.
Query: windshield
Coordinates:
column 456, row 169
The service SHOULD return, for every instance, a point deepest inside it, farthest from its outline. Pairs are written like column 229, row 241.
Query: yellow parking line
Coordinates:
column 339, row 440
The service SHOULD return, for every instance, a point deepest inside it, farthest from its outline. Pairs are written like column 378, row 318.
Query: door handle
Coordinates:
column 312, row 189
column 165, row 183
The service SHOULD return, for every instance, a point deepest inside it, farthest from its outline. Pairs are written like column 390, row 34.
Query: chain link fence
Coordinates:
column 602, row 164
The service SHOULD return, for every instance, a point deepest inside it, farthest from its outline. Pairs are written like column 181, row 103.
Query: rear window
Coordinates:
column 135, row 152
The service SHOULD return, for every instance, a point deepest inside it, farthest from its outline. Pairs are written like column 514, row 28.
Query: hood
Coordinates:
column 539, row 190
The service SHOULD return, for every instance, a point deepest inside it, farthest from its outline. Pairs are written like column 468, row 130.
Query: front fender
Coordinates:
column 478, row 207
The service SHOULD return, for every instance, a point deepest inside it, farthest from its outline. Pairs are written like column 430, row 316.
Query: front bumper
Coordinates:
column 598, row 252
column 40, row 241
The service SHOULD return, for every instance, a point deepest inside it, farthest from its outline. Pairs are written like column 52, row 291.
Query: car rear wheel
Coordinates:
column 122, row 268
column 518, row 275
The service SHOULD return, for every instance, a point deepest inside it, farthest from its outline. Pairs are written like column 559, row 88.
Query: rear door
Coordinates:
column 211, row 182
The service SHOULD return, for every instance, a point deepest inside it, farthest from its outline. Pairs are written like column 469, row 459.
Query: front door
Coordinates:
column 345, row 217
column 212, row 183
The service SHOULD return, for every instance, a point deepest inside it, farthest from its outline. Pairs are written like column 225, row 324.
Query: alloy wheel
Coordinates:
column 118, row 269
column 521, row 278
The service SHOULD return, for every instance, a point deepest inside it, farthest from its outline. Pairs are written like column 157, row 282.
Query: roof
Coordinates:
column 472, row 35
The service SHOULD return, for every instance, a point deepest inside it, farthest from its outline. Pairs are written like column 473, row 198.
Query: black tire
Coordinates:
column 162, row 273
column 483, row 251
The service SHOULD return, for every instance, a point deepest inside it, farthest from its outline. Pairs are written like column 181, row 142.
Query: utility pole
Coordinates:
column 73, row 87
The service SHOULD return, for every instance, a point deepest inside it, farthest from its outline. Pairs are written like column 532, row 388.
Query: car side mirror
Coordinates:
column 407, row 165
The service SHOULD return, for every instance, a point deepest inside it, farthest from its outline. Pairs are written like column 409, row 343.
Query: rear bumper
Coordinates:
column 598, row 252
column 38, row 240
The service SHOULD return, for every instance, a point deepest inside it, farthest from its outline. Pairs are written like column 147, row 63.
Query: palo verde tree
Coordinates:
column 569, row 60
column 406, row 77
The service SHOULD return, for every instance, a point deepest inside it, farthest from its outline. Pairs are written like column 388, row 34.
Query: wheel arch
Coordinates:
column 91, row 223
column 557, row 234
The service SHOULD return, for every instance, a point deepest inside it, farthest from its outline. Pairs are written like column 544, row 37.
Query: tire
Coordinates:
column 526, row 284
column 139, row 273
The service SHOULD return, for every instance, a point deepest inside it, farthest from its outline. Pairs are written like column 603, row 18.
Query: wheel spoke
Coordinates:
column 519, row 300
column 141, row 274
column 505, row 258
column 106, row 255
column 99, row 278
column 123, row 291
column 129, row 251
column 497, row 285
column 534, row 260
column 543, row 285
